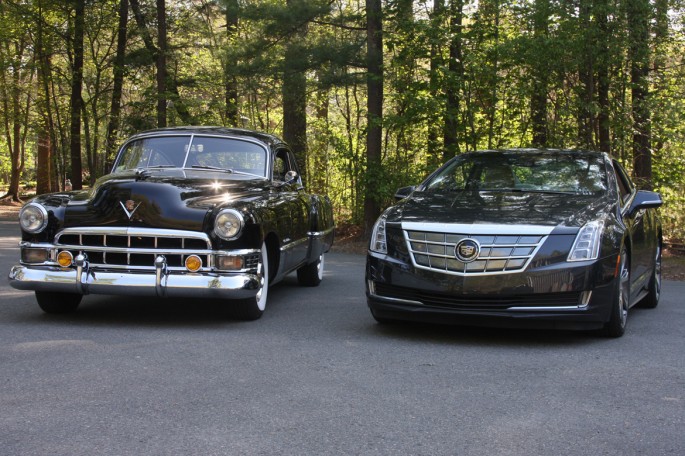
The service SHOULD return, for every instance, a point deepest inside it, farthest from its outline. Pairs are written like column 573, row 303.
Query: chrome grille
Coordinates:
column 498, row 253
column 135, row 248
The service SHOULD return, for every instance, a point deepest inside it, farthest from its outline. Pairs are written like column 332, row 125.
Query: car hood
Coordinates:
column 174, row 199
column 500, row 208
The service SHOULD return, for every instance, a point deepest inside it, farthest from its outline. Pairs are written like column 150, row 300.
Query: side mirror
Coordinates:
column 645, row 200
column 403, row 192
column 291, row 176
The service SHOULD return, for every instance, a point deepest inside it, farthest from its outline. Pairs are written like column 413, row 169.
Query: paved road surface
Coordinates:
column 316, row 375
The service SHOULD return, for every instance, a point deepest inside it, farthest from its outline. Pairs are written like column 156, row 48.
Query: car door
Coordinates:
column 636, row 223
column 295, row 240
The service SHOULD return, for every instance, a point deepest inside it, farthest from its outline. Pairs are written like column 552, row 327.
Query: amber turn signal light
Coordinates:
column 193, row 263
column 65, row 258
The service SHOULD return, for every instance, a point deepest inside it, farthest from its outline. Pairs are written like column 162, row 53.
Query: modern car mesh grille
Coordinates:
column 471, row 302
column 137, row 249
column 497, row 254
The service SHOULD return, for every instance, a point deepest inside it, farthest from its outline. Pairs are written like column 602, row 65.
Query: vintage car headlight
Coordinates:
column 586, row 245
column 33, row 218
column 228, row 224
column 378, row 241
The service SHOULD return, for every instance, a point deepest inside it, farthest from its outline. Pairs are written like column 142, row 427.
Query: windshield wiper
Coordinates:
column 212, row 168
column 527, row 190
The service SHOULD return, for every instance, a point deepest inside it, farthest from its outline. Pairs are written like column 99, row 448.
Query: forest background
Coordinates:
column 372, row 95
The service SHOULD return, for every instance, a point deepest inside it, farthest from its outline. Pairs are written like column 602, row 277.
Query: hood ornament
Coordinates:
column 129, row 207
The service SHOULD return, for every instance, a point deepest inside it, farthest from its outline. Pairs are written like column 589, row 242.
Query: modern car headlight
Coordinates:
column 228, row 224
column 378, row 241
column 33, row 218
column 586, row 245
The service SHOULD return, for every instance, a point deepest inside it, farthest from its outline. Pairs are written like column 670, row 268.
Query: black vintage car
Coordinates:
column 531, row 238
column 197, row 212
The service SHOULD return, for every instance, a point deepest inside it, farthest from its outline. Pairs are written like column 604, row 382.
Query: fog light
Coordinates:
column 65, row 258
column 229, row 262
column 193, row 263
column 34, row 255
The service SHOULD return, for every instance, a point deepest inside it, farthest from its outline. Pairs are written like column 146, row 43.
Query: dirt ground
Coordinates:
column 349, row 239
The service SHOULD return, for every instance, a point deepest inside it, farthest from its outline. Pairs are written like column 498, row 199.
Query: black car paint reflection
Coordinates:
column 599, row 255
column 197, row 212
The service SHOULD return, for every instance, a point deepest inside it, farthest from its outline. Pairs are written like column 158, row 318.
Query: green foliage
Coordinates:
column 509, row 47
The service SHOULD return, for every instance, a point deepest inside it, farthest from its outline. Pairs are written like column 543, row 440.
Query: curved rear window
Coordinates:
column 196, row 152
column 525, row 172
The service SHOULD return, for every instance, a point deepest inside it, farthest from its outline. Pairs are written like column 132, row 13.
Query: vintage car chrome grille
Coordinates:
column 498, row 253
column 135, row 248
column 471, row 302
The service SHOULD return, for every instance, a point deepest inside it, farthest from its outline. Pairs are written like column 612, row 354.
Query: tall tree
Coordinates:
column 76, row 104
column 638, row 14
column 295, row 93
column 230, row 80
column 161, row 64
column 601, row 12
column 118, row 83
column 540, row 73
column 454, row 81
column 374, row 82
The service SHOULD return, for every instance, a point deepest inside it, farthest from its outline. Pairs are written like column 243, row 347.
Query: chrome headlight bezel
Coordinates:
column 379, row 241
column 232, row 225
column 41, row 216
column 587, row 244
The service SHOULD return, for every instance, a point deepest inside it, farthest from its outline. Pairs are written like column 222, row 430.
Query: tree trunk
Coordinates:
column 46, row 133
column 231, row 82
column 76, row 105
column 638, row 16
column 117, row 86
column 540, row 74
column 171, row 86
column 454, row 81
column 436, row 64
column 586, row 77
column 603, row 120
column 161, row 64
column 374, row 34
column 295, row 100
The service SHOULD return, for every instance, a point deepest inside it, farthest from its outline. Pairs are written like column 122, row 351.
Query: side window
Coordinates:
column 625, row 187
column 283, row 162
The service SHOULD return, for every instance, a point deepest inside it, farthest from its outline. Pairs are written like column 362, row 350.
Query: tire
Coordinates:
column 253, row 308
column 654, row 290
column 311, row 275
column 618, row 319
column 58, row 303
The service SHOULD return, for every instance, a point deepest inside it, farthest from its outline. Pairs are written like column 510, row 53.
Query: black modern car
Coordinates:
column 196, row 212
column 518, row 238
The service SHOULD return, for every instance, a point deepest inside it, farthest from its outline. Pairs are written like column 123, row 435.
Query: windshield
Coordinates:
column 193, row 151
column 522, row 172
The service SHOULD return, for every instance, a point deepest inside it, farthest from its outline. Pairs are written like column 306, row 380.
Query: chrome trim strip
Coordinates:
column 479, row 229
column 134, row 231
column 294, row 244
column 320, row 233
column 400, row 301
column 546, row 309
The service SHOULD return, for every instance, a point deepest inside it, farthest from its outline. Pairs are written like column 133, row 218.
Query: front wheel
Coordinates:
column 253, row 308
column 654, row 291
column 616, row 326
column 58, row 303
column 311, row 275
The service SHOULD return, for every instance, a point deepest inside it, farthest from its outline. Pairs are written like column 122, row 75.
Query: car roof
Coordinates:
column 541, row 151
column 267, row 138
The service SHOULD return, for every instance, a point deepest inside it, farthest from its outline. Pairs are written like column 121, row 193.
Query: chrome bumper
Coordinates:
column 160, row 282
